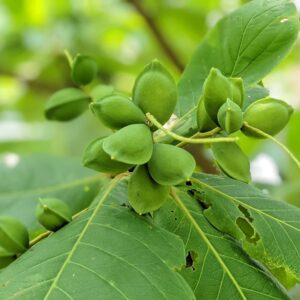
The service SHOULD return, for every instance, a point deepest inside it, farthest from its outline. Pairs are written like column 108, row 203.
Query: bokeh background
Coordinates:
column 123, row 36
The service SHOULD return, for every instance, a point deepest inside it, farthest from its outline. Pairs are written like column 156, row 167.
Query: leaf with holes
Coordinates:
column 268, row 230
column 109, row 252
column 216, row 266
column 27, row 178
column 247, row 43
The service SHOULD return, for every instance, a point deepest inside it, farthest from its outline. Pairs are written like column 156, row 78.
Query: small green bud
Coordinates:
column 94, row 157
column 53, row 213
column 144, row 194
column 232, row 160
column 84, row 69
column 155, row 91
column 117, row 112
column 6, row 258
column 230, row 117
column 268, row 115
column 14, row 237
column 205, row 123
column 66, row 104
column 132, row 144
column 170, row 165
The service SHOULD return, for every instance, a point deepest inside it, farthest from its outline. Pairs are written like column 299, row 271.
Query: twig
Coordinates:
column 157, row 33
column 186, row 140
column 201, row 135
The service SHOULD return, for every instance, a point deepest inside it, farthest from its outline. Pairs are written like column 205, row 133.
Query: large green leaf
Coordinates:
column 24, row 179
column 109, row 252
column 268, row 230
column 254, row 93
column 217, row 268
column 247, row 43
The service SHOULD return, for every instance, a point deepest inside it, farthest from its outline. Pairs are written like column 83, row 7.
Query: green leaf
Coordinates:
column 109, row 252
column 216, row 266
column 268, row 230
column 254, row 93
column 36, row 176
column 247, row 43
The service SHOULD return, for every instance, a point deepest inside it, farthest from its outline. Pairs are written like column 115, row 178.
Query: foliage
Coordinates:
column 207, row 236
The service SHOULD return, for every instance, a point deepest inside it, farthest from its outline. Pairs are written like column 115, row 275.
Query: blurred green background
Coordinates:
column 123, row 36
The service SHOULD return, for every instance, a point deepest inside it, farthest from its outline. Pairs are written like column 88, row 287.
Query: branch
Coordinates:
column 165, row 46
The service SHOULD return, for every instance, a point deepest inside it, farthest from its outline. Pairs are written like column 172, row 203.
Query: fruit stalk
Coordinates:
column 283, row 147
column 69, row 57
column 201, row 135
column 47, row 233
column 183, row 139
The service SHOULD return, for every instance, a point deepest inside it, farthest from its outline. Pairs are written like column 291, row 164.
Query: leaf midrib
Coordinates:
column 239, row 53
column 186, row 212
column 68, row 258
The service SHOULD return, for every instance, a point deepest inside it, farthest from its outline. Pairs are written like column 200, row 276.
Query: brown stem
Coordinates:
column 157, row 33
column 198, row 152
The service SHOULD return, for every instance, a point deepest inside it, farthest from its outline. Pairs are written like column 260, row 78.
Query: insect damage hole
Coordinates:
column 248, row 230
column 189, row 261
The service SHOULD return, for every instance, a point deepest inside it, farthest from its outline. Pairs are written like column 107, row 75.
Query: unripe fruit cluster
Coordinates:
column 221, row 105
column 156, row 166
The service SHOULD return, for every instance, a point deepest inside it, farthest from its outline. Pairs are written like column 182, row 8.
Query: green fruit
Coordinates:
column 94, row 157
column 205, row 123
column 155, row 91
column 132, row 144
column 101, row 91
column 232, row 160
column 170, row 165
column 84, row 69
column 117, row 112
column 53, row 213
column 238, row 90
column 66, row 104
column 144, row 194
column 6, row 258
column 217, row 89
column 268, row 115
column 14, row 237
column 230, row 117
